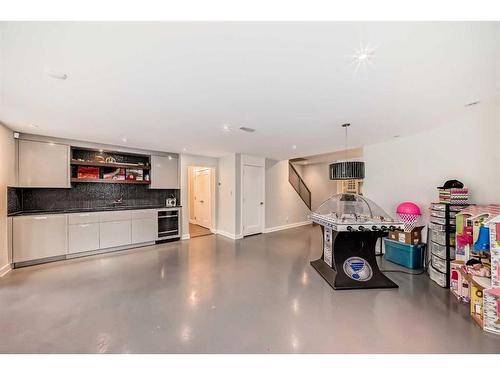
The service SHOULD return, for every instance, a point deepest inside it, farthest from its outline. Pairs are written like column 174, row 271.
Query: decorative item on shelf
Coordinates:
column 482, row 245
column 110, row 159
column 135, row 174
column 459, row 286
column 347, row 170
column 146, row 177
column 117, row 174
column 469, row 221
column 454, row 192
column 99, row 158
column 88, row 172
column 172, row 201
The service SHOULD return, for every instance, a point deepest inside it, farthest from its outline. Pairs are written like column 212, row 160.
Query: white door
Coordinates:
column 253, row 200
column 202, row 198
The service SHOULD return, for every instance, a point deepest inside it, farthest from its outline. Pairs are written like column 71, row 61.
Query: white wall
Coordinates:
column 226, row 186
column 317, row 179
column 410, row 168
column 283, row 204
column 7, row 176
column 186, row 161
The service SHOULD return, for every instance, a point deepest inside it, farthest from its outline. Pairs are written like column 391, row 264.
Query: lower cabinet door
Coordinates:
column 115, row 233
column 83, row 237
column 38, row 237
column 144, row 230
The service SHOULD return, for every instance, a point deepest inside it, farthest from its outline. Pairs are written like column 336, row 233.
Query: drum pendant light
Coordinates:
column 347, row 170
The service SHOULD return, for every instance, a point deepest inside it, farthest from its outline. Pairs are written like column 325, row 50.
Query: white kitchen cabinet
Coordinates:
column 145, row 214
column 115, row 233
column 164, row 172
column 43, row 164
column 83, row 218
column 40, row 236
column 144, row 230
column 83, row 237
column 115, row 216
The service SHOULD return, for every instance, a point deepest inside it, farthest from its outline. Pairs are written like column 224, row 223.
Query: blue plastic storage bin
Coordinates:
column 406, row 255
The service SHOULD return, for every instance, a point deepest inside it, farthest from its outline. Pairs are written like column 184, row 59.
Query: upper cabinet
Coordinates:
column 43, row 164
column 164, row 172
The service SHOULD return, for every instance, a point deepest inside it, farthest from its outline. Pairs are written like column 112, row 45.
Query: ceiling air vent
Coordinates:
column 248, row 130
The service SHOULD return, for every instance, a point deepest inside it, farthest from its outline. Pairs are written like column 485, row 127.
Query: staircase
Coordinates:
column 299, row 185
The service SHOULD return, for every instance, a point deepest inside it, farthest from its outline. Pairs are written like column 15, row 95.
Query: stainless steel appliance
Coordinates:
column 169, row 223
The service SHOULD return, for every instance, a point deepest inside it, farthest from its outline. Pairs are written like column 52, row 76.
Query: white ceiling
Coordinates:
column 168, row 86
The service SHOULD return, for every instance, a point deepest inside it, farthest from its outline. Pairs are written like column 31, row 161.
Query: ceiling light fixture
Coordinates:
column 56, row 75
column 472, row 103
column 347, row 170
column 248, row 130
column 184, row 149
column 294, row 147
column 226, row 127
column 124, row 140
column 363, row 56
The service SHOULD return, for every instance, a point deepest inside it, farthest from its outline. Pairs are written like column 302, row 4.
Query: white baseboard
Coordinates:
column 229, row 235
column 287, row 226
column 185, row 237
column 5, row 270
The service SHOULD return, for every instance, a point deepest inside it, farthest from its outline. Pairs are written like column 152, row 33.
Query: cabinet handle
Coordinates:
column 40, row 218
column 84, row 215
column 84, row 225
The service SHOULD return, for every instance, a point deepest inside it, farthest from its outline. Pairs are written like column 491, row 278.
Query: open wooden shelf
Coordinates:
column 103, row 181
column 110, row 165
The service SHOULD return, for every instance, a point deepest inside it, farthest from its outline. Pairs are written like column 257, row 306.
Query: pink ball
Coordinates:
column 408, row 208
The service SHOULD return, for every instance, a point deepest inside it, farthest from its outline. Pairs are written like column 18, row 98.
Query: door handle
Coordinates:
column 261, row 203
column 202, row 201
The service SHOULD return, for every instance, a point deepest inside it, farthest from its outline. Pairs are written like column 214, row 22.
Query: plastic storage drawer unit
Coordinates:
column 406, row 255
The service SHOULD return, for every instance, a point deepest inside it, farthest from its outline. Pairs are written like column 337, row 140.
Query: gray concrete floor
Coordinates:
column 214, row 295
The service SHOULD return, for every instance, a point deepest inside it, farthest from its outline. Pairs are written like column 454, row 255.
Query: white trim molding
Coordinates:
column 5, row 270
column 229, row 235
column 287, row 226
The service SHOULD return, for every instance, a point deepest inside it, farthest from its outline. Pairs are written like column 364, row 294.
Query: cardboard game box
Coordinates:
column 412, row 238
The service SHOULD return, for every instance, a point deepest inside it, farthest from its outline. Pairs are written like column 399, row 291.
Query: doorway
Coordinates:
column 200, row 201
column 253, row 199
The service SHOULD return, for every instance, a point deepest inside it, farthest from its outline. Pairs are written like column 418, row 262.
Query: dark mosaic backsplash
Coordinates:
column 86, row 195
column 14, row 200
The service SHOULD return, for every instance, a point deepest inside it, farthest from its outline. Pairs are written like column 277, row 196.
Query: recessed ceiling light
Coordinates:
column 56, row 75
column 184, row 149
column 169, row 157
column 248, row 130
column 226, row 127
column 124, row 140
column 294, row 147
column 472, row 103
column 101, row 151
